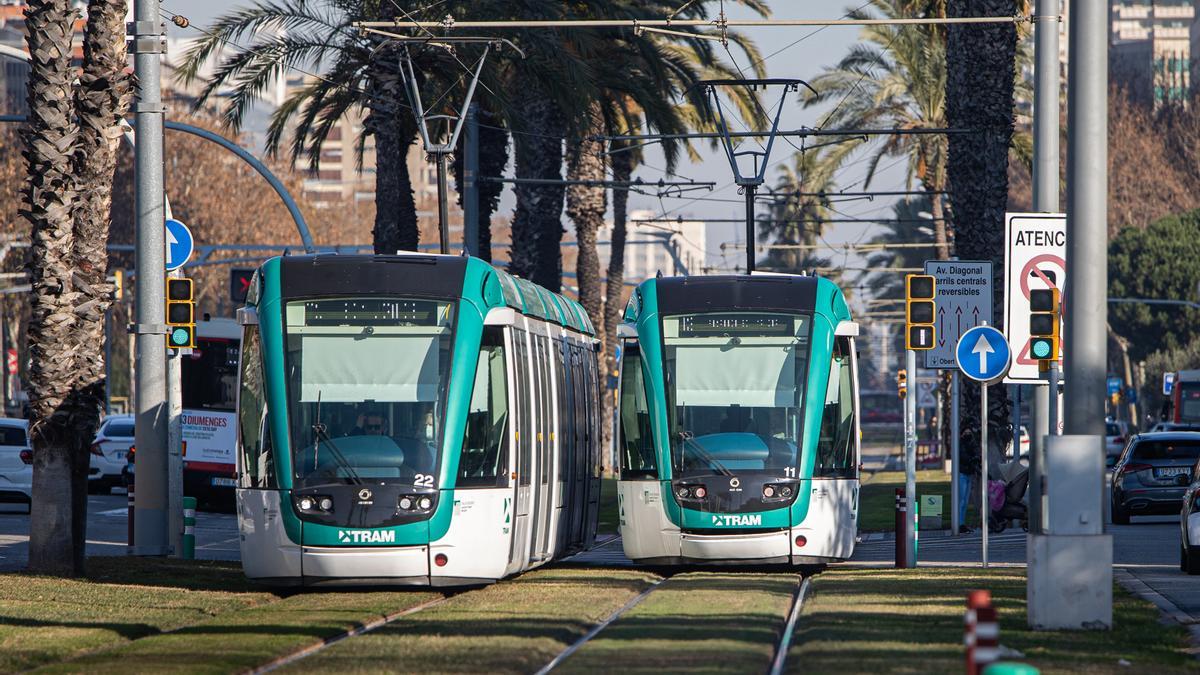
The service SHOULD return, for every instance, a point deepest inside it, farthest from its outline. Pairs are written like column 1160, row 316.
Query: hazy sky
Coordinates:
column 802, row 53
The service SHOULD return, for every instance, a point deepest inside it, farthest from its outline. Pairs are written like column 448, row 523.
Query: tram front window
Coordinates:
column 366, row 388
column 736, row 383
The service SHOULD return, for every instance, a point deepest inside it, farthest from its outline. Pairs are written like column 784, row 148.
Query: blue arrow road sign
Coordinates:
column 179, row 244
column 983, row 354
column 1168, row 383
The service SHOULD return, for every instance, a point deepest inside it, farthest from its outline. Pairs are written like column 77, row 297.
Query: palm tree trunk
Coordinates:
column 537, row 221
column 585, row 206
column 979, row 97
column 614, row 289
column 940, row 240
column 57, row 534
column 394, row 131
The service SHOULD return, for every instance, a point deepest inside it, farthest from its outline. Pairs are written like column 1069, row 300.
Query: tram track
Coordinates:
column 779, row 662
column 356, row 631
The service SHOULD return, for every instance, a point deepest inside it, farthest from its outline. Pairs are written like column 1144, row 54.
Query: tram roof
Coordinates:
column 435, row 275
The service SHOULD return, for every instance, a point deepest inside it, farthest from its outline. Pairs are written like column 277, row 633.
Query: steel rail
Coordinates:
column 789, row 629
column 574, row 647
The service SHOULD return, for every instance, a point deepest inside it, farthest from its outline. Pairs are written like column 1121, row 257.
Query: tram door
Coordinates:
column 516, row 341
column 540, row 437
column 834, row 505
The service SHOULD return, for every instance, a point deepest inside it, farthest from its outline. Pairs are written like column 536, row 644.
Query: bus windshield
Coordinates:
column 367, row 384
column 209, row 375
column 736, row 385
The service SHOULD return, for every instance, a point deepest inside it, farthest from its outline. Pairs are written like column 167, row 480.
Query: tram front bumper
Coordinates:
column 759, row 547
column 401, row 565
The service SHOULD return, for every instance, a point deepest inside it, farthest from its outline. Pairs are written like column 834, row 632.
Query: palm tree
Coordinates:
column 70, row 153
column 979, row 92
column 362, row 73
column 895, row 78
column 797, row 211
column 493, row 159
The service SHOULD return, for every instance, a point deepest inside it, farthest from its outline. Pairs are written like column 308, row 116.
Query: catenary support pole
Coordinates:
column 470, row 181
column 1046, row 111
column 984, row 509
column 1070, row 576
column 151, row 523
column 955, row 427
column 910, row 458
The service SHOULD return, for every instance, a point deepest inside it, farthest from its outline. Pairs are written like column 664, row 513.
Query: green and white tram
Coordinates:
column 412, row 419
column 738, row 438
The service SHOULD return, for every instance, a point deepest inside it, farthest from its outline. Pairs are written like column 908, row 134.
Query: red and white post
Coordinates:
column 982, row 637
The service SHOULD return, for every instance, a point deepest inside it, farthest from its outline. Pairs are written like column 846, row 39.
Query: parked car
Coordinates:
column 1189, row 526
column 16, row 462
column 1115, row 436
column 1153, row 473
column 108, row 453
column 1175, row 426
column 1025, row 445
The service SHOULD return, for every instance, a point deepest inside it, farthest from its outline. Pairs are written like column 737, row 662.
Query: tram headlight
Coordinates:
column 768, row 491
column 785, row 491
column 682, row 491
column 425, row 503
column 306, row 504
column 406, row 503
column 326, row 504
column 700, row 492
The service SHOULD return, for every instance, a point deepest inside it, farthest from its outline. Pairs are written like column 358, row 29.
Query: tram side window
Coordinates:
column 636, row 441
column 255, row 436
column 484, row 459
column 835, row 449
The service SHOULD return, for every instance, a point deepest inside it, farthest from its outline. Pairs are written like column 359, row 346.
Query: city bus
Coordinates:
column 209, row 423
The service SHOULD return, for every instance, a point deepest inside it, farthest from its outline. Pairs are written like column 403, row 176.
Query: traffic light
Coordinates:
column 118, row 284
column 919, row 291
column 902, row 382
column 239, row 284
column 1043, row 324
column 181, row 314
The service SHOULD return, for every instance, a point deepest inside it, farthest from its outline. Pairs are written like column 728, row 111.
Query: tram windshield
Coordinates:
column 736, row 383
column 366, row 388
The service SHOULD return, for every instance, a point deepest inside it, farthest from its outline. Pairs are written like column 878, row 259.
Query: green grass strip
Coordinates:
column 239, row 641
column 46, row 619
column 514, row 626
column 699, row 622
column 877, row 498
column 911, row 621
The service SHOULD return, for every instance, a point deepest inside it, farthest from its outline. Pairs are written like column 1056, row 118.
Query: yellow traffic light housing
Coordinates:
column 919, row 311
column 902, row 382
column 181, row 314
column 118, row 284
column 1044, row 324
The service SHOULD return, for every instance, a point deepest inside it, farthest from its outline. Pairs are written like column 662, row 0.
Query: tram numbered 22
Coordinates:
column 737, row 432
column 414, row 420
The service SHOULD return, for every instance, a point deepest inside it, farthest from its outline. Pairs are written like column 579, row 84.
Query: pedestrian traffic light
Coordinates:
column 919, row 290
column 181, row 314
column 1043, row 324
column 902, row 382
column 239, row 284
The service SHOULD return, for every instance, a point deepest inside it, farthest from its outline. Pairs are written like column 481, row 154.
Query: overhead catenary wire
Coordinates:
column 450, row 23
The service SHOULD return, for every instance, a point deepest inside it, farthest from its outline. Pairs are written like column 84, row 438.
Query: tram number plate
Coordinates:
column 224, row 482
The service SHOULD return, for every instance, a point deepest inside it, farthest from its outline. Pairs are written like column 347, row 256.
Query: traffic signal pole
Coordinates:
column 910, row 463
column 150, row 436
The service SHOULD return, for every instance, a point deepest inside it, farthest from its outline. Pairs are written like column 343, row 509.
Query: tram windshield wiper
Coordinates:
column 321, row 435
column 704, row 454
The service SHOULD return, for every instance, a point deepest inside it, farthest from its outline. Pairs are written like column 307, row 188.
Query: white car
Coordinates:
column 1116, row 434
column 16, row 462
column 108, row 453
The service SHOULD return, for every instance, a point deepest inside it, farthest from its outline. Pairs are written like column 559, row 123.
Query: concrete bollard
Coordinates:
column 189, row 528
column 982, row 637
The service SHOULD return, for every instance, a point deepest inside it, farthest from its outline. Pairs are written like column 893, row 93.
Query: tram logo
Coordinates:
column 364, row 495
column 735, row 482
column 367, row 536
column 737, row 521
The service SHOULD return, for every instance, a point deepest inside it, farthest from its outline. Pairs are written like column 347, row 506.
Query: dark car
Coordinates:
column 1152, row 474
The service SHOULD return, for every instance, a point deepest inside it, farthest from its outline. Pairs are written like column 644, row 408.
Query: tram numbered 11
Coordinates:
column 412, row 420
column 737, row 433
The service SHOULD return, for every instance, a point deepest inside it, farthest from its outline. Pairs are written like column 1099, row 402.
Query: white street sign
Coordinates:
column 963, row 299
column 1035, row 257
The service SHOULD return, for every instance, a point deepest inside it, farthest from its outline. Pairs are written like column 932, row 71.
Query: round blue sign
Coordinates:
column 983, row 354
column 179, row 244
